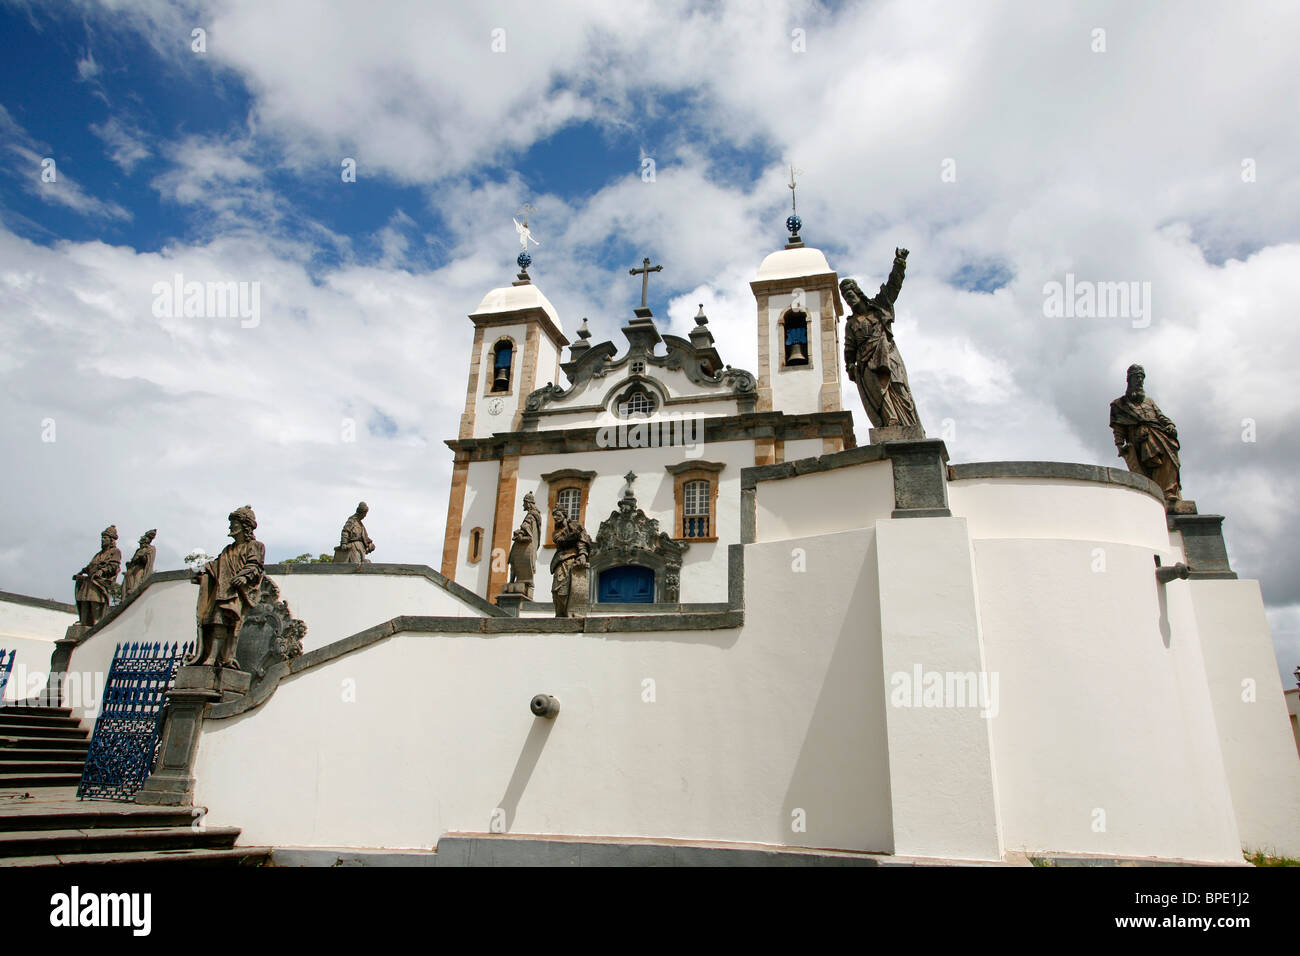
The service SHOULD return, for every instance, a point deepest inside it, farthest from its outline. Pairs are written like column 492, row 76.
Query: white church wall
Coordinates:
column 1104, row 737
column 1060, row 508
column 824, row 502
column 803, row 448
column 680, row 412
column 548, row 363
column 1250, row 711
column 480, row 511
column 704, row 567
column 774, row 734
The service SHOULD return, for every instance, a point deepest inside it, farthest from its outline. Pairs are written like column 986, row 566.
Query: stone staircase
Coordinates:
column 41, row 747
column 42, row 823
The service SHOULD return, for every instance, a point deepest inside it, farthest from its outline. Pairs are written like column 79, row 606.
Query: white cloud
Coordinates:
column 27, row 160
column 126, row 143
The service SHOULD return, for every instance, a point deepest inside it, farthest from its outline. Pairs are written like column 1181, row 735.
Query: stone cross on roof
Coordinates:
column 644, row 273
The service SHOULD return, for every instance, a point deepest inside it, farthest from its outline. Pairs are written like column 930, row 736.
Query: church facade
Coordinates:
column 660, row 416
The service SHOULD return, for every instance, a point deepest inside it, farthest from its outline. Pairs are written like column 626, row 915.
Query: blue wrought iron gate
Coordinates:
column 6, row 666
column 125, row 741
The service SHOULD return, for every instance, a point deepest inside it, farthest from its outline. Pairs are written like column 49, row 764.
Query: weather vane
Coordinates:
column 525, row 234
column 792, row 221
column 524, row 260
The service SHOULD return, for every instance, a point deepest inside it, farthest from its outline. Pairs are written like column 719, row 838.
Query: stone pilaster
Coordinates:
column 502, row 526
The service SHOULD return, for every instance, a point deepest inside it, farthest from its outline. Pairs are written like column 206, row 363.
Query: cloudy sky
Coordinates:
column 1006, row 144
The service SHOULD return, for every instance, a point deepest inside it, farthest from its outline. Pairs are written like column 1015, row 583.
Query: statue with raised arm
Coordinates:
column 140, row 566
column 523, row 552
column 570, row 563
column 1147, row 439
column 96, row 578
column 229, row 588
column 871, row 355
column 354, row 543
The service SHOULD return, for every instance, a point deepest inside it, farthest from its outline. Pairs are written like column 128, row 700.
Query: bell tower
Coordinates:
column 516, row 350
column 799, row 350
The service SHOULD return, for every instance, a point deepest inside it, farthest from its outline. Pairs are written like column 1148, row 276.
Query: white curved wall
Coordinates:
column 745, row 729
column 1059, row 508
column 1105, row 741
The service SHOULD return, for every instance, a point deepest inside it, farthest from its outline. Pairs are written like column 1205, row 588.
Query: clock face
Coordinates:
column 495, row 406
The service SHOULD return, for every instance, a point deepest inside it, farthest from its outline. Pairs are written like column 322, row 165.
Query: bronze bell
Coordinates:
column 502, row 381
column 795, row 355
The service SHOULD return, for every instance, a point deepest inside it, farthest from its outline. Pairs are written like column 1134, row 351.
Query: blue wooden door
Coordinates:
column 626, row 585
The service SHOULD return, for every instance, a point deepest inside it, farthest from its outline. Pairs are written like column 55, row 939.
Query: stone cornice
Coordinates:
column 1058, row 470
column 521, row 316
column 8, row 597
column 775, row 425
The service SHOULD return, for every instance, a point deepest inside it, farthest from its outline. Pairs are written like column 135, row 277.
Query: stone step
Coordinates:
column 22, row 756
column 55, row 765
column 10, row 719
column 233, row 856
column 17, row 745
column 94, row 815
column 10, row 729
column 13, row 779
column 29, row 710
column 114, row 840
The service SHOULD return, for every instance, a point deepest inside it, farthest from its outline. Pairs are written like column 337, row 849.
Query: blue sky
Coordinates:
column 1125, row 163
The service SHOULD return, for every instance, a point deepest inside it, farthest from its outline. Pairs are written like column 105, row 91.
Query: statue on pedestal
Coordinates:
column 1147, row 440
column 228, row 588
column 523, row 553
column 354, row 543
column 96, row 578
column 569, row 565
column 140, row 566
column 870, row 354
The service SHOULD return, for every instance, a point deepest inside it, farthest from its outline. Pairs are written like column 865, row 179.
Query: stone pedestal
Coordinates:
column 920, row 478
column 172, row 781
column 59, row 659
column 1203, row 546
column 896, row 433
column 510, row 603
column 579, row 592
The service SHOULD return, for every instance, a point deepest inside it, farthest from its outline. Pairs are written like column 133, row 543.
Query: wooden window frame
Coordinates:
column 710, row 471
column 557, row 481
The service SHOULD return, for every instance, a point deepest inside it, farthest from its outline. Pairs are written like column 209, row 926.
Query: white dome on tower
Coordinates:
column 513, row 298
column 791, row 263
